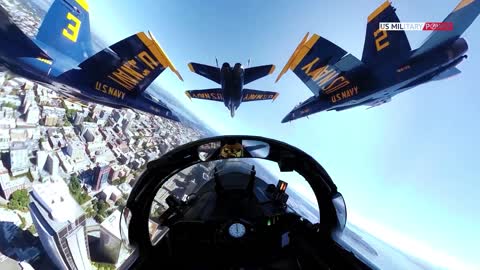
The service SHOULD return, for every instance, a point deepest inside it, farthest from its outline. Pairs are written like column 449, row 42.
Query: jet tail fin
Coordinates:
column 66, row 28
column 461, row 18
column 381, row 45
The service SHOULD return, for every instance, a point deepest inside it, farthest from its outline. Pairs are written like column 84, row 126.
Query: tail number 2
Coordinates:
column 71, row 32
column 380, row 42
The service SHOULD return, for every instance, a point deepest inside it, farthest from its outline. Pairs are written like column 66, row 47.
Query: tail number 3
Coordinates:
column 71, row 32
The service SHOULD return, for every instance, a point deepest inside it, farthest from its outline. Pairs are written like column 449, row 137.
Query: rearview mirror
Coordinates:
column 205, row 151
column 256, row 149
column 234, row 149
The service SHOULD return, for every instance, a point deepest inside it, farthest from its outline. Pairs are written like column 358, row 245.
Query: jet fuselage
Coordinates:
column 232, row 85
column 377, row 85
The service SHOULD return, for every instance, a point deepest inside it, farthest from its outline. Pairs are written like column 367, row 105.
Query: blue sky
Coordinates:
column 408, row 169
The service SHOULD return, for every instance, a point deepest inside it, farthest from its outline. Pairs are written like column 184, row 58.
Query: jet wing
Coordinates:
column 255, row 73
column 461, row 17
column 126, row 68
column 255, row 95
column 328, row 71
column 215, row 94
column 122, row 73
column 209, row 72
column 323, row 66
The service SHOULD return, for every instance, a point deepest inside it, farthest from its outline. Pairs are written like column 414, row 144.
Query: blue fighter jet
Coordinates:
column 232, row 80
column 61, row 57
column 388, row 67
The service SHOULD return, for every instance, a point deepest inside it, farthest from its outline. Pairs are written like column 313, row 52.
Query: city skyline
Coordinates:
column 93, row 152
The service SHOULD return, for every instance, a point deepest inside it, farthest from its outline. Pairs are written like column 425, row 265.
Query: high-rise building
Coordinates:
column 110, row 238
column 51, row 120
column 4, row 138
column 76, row 150
column 60, row 223
column 33, row 115
column 78, row 118
column 114, row 172
column 100, row 176
column 52, row 164
column 7, row 186
column 19, row 161
column 41, row 159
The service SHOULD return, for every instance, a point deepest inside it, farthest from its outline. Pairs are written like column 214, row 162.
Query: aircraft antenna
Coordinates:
column 216, row 60
column 248, row 63
column 251, row 182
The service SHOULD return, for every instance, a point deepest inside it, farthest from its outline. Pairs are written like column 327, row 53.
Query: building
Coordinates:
column 110, row 238
column 76, row 150
column 110, row 193
column 65, row 162
column 41, row 159
column 33, row 115
column 8, row 186
column 72, row 105
column 51, row 120
column 92, row 135
column 93, row 147
column 4, row 139
column 60, row 223
column 100, row 176
column 125, row 188
column 114, row 172
column 19, row 161
column 59, row 112
column 78, row 118
column 52, row 165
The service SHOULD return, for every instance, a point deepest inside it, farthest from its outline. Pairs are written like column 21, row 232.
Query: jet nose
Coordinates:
column 174, row 117
column 289, row 117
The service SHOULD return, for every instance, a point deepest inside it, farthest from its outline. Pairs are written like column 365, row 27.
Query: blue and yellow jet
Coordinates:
column 232, row 80
column 61, row 57
column 388, row 67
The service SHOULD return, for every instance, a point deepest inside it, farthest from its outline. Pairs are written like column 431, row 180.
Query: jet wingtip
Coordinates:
column 275, row 96
column 278, row 77
column 378, row 10
column 290, row 63
column 463, row 4
column 190, row 66
column 272, row 69
column 188, row 95
column 178, row 75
